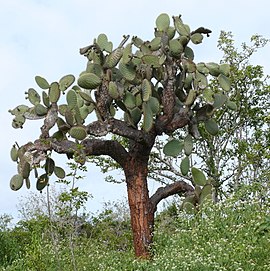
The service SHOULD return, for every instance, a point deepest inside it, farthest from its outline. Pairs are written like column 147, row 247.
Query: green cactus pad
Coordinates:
column 173, row 148
column 89, row 81
column 45, row 99
column 198, row 176
column 69, row 117
column 136, row 115
column 71, row 98
column 49, row 166
column 128, row 71
column 188, row 144
column 213, row 68
column 33, row 96
column 151, row 60
column 211, row 127
column 224, row 82
column 163, row 22
column 113, row 58
column 176, row 48
column 219, row 100
column 185, row 165
column 113, row 90
column 41, row 110
column 42, row 82
column 18, row 122
column 182, row 29
column 225, row 69
column 59, row 172
column 54, row 92
column 18, row 110
column 196, row 38
column 42, row 182
column 14, row 153
column 147, row 117
column 78, row 132
column 205, row 192
column 129, row 100
column 154, row 105
column 66, row 81
column 26, row 168
column 231, row 105
column 16, row 182
column 146, row 90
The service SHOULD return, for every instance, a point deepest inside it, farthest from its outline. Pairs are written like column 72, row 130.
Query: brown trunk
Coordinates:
column 141, row 211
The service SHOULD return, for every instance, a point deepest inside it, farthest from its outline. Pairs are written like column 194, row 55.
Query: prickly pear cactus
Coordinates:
column 154, row 86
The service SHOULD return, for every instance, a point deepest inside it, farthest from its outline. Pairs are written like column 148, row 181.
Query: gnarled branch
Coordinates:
column 118, row 127
column 169, row 190
column 90, row 147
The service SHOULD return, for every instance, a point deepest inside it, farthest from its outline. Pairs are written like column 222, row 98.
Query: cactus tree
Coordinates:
column 138, row 91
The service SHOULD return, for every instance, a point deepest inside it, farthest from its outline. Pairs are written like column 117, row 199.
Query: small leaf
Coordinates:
column 42, row 82
column 224, row 82
column 198, row 176
column 184, row 166
column 173, row 147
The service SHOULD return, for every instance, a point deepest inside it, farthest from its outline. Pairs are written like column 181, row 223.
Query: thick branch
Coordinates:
column 180, row 119
column 90, row 147
column 169, row 190
column 118, row 127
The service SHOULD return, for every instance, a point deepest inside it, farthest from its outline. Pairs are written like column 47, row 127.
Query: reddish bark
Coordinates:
column 141, row 211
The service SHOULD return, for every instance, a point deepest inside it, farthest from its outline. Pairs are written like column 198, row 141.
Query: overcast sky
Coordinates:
column 43, row 37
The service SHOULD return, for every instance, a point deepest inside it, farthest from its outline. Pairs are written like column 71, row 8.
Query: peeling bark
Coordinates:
column 141, row 212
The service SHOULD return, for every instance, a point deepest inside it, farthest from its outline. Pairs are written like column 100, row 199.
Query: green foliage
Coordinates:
column 233, row 234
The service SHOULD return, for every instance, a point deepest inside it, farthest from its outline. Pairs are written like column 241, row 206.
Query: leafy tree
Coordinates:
column 139, row 92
